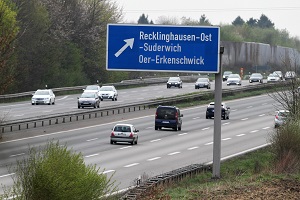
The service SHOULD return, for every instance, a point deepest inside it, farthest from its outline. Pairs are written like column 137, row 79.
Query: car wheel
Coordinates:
column 176, row 128
column 78, row 107
column 179, row 128
column 156, row 127
column 250, row 81
column 101, row 99
column 227, row 116
column 95, row 106
column 207, row 117
column 136, row 141
column 32, row 103
column 53, row 102
column 98, row 105
column 196, row 87
column 49, row 102
column 111, row 142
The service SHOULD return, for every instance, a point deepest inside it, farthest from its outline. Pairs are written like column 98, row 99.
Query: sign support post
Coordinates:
column 217, row 121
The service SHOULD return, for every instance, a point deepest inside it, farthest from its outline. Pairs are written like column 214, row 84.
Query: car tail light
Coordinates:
column 176, row 116
column 131, row 135
column 276, row 116
column 112, row 134
column 155, row 115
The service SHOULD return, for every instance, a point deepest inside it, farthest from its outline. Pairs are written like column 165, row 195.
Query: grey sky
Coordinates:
column 284, row 14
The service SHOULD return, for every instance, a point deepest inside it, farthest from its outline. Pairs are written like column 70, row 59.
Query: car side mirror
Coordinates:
column 77, row 97
column 181, row 115
column 137, row 131
column 228, row 107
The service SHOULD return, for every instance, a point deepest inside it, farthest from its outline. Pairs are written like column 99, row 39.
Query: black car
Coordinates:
column 210, row 111
column 174, row 81
column 168, row 117
column 202, row 83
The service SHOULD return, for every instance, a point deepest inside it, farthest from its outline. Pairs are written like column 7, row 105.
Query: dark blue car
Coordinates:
column 168, row 117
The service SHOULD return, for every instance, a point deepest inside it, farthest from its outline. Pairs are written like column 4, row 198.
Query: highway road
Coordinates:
column 157, row 152
column 68, row 103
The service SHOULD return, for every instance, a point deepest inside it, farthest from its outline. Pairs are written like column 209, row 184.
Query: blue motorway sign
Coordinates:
column 163, row 48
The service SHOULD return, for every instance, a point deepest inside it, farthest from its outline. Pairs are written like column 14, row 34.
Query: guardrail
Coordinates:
column 124, row 83
column 61, row 118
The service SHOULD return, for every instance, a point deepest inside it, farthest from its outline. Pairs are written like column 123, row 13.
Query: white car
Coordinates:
column 234, row 79
column 93, row 88
column 43, row 96
column 109, row 92
column 280, row 117
column 273, row 78
column 124, row 133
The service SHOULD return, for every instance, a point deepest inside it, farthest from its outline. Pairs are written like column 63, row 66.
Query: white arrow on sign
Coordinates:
column 129, row 43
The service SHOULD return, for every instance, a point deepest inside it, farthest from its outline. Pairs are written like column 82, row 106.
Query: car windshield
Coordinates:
column 92, row 87
column 41, row 92
column 173, row 79
column 234, row 76
column 166, row 113
column 283, row 114
column 106, row 89
column 256, row 75
column 227, row 73
column 122, row 128
column 88, row 95
column 202, row 80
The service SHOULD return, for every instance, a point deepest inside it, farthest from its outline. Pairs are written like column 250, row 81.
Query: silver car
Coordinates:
column 43, row 96
column 108, row 92
column 124, row 133
column 234, row 79
column 280, row 117
column 89, row 99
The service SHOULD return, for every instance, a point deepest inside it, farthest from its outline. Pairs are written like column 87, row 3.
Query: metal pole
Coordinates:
column 217, row 120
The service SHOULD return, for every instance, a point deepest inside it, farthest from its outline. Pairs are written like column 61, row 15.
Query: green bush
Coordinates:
column 285, row 145
column 56, row 173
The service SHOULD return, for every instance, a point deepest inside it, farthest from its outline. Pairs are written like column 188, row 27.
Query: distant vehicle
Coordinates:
column 279, row 73
column 202, row 83
column 43, row 96
column 210, row 111
column 174, row 81
column 93, row 88
column 168, row 117
column 256, row 77
column 89, row 99
column 273, row 78
column 226, row 74
column 280, row 117
column 234, row 79
column 109, row 92
column 124, row 133
column 290, row 75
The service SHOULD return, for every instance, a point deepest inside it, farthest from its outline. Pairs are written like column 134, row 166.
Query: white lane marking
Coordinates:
column 108, row 171
column 140, row 98
column 249, row 106
column 131, row 165
column 244, row 119
column 181, row 134
column 7, row 175
column 150, row 127
column 155, row 140
column 205, row 129
column 45, row 111
column 240, row 135
column 173, row 153
column 226, row 123
column 254, row 131
column 62, row 98
column 92, row 139
column 265, row 128
column 125, row 147
column 196, row 117
column 20, row 154
column 226, row 139
column 209, row 143
column 155, row 158
column 145, row 90
column 133, row 91
column 19, row 115
column 264, row 104
column 262, row 115
column 192, row 148
column 92, row 155
column 234, row 110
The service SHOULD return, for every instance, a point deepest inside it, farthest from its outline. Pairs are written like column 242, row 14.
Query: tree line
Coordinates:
column 62, row 43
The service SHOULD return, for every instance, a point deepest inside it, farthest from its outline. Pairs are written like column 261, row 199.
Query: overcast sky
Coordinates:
column 285, row 14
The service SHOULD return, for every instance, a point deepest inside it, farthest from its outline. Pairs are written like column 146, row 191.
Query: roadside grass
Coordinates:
column 239, row 174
